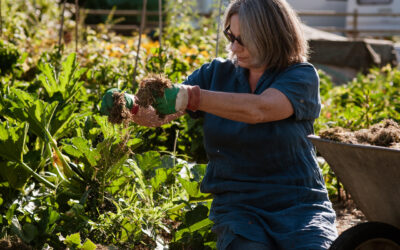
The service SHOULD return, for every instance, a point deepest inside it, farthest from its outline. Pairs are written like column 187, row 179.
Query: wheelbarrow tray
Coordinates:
column 371, row 174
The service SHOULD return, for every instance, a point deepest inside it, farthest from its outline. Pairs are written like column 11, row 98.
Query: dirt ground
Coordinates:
column 347, row 215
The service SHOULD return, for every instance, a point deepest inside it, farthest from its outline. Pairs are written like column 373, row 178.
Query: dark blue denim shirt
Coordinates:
column 265, row 179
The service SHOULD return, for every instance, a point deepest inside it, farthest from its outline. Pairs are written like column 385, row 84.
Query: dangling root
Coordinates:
column 119, row 113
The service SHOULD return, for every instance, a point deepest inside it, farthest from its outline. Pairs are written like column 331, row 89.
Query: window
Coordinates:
column 365, row 2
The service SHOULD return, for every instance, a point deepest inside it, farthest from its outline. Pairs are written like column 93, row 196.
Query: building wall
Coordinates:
column 321, row 5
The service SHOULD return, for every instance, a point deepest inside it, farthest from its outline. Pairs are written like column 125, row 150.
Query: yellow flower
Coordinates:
column 109, row 46
column 188, row 51
column 205, row 54
column 148, row 46
column 130, row 43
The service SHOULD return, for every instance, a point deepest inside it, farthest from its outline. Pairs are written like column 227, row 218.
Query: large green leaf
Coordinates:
column 192, row 188
column 47, row 78
column 195, row 227
column 160, row 177
column 60, row 125
column 66, row 83
column 12, row 145
column 14, row 173
column 12, row 141
column 38, row 113
column 148, row 160
column 80, row 148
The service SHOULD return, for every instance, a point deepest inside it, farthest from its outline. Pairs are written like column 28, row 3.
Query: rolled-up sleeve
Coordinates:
column 201, row 77
column 300, row 84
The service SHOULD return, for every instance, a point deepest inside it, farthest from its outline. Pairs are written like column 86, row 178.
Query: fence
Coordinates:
column 354, row 31
column 124, row 27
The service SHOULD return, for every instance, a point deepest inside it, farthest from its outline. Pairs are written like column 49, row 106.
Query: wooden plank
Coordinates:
column 334, row 29
column 335, row 13
column 120, row 12
column 126, row 27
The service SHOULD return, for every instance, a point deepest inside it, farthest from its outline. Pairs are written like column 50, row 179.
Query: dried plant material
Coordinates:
column 338, row 134
column 385, row 134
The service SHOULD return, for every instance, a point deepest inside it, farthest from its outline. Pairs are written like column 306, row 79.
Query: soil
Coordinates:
column 13, row 243
column 149, row 87
column 119, row 113
column 347, row 215
column 385, row 134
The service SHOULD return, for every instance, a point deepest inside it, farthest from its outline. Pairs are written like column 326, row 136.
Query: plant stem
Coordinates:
column 37, row 176
column 76, row 24
column 141, row 29
column 53, row 143
column 61, row 27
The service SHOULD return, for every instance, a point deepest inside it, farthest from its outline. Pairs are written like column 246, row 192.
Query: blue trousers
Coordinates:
column 240, row 243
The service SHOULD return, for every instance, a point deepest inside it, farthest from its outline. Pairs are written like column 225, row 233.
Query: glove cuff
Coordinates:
column 135, row 107
column 193, row 98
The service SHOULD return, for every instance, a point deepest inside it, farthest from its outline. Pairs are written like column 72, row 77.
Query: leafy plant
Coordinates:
column 9, row 57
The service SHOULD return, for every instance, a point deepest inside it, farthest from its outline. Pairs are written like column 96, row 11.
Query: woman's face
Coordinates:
column 244, row 58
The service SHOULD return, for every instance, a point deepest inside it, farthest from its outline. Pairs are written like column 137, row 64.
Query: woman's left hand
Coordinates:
column 178, row 98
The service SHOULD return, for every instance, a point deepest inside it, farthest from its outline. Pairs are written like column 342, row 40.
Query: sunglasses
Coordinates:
column 231, row 37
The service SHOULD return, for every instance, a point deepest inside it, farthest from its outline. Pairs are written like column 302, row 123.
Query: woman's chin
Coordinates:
column 242, row 63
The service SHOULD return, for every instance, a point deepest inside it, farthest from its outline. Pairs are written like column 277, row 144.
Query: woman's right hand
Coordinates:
column 108, row 101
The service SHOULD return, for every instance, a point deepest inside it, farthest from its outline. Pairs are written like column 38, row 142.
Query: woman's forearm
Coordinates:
column 271, row 105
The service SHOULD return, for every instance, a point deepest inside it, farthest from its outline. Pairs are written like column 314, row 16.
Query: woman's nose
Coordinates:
column 236, row 47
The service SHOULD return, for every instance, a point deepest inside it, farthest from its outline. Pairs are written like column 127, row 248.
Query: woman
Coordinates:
column 258, row 107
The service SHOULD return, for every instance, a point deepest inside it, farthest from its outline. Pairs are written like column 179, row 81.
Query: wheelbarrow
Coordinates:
column 371, row 174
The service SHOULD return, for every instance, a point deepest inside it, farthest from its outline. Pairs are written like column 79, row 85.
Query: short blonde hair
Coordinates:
column 270, row 30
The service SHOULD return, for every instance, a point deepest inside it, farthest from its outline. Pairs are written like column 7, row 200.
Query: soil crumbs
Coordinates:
column 13, row 243
column 347, row 215
column 149, row 87
column 384, row 134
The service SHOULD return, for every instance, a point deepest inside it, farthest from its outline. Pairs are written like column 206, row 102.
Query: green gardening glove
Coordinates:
column 166, row 104
column 178, row 98
column 108, row 101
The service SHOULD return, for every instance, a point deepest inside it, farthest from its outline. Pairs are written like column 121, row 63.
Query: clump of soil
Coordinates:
column 119, row 113
column 385, row 134
column 13, row 243
column 148, row 88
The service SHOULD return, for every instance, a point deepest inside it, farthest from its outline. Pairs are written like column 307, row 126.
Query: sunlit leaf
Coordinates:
column 148, row 160
column 195, row 227
column 80, row 147
column 88, row 245
column 73, row 240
